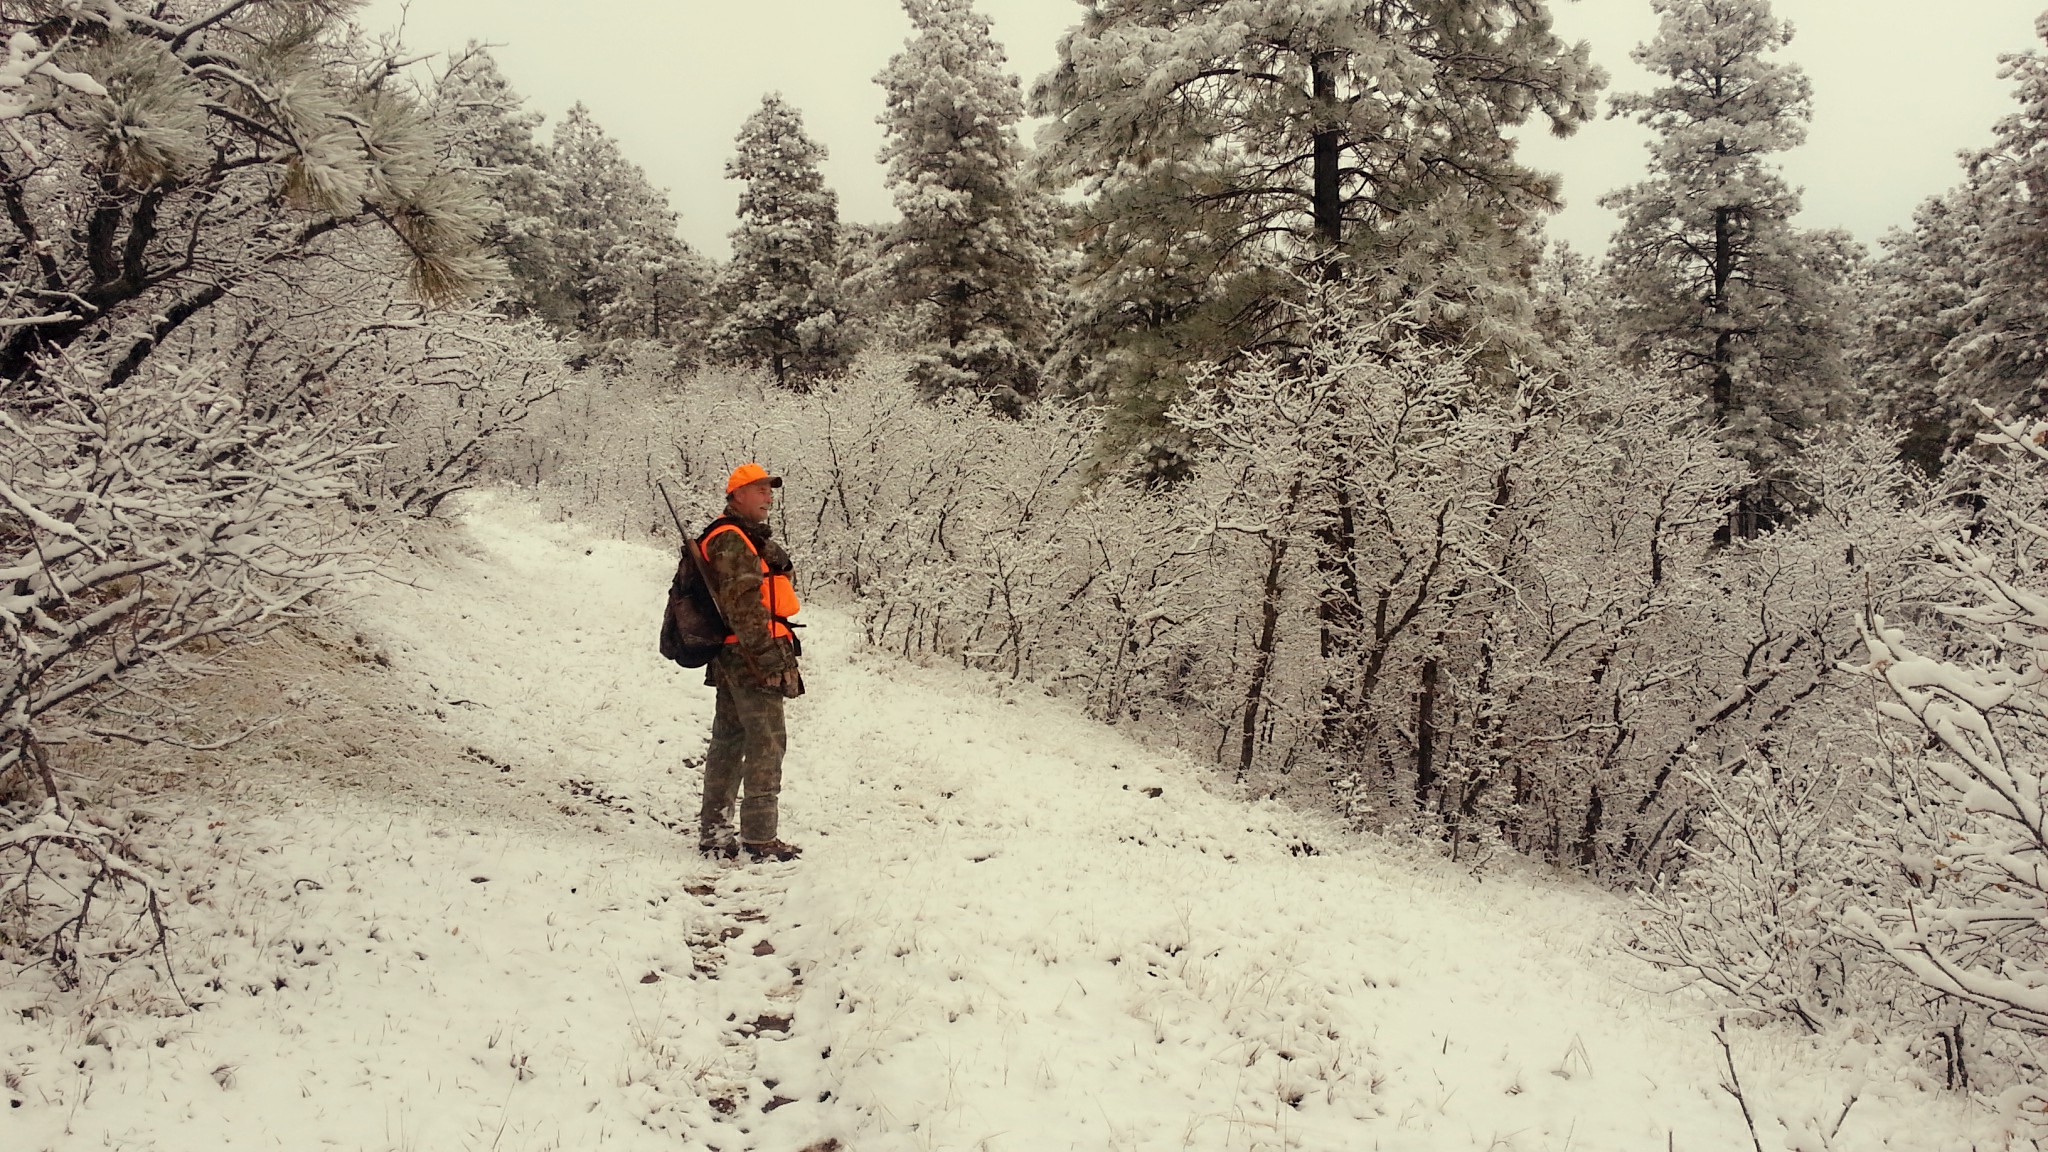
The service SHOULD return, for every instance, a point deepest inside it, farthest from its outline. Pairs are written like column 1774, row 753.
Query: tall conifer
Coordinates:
column 1714, row 281
column 967, row 257
column 624, row 270
column 779, row 298
column 1223, row 149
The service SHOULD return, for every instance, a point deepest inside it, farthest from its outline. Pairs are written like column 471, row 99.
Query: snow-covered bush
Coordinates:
column 1503, row 612
column 141, row 525
column 1848, row 870
column 1351, row 485
column 1966, row 819
column 145, row 520
column 1558, row 662
column 212, row 210
column 1756, row 911
column 1755, row 683
column 435, row 388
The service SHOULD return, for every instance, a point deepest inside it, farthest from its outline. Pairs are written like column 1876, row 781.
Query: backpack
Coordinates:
column 692, row 629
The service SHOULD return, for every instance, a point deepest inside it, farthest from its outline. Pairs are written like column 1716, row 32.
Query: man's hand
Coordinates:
column 792, row 683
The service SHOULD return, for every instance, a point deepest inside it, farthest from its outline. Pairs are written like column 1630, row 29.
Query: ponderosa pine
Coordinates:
column 1960, row 318
column 1224, row 150
column 779, row 298
column 1713, row 280
column 968, row 257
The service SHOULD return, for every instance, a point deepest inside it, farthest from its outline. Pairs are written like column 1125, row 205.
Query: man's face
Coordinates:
column 753, row 500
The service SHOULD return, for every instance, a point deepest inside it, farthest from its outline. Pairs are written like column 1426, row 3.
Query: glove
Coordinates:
column 792, row 683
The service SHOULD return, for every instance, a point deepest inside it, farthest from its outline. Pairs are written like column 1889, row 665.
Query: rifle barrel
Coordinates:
column 680, row 530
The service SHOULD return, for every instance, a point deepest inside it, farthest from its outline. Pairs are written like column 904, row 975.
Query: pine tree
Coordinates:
column 967, row 257
column 489, row 132
column 1714, row 282
column 615, row 240
column 1999, row 356
column 1226, row 147
column 779, row 297
column 1919, row 303
column 590, row 244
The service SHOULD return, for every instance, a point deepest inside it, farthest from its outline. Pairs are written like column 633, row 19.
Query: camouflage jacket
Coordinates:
column 735, row 574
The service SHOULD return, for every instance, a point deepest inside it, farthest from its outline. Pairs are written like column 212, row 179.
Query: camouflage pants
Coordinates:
column 747, row 740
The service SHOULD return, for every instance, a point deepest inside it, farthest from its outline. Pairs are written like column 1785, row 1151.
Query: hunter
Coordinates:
column 749, row 574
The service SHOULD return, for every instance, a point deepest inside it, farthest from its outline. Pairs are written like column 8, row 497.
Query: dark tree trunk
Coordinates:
column 1588, row 854
column 1329, row 204
column 1341, row 613
column 1722, row 392
column 956, row 316
column 1262, row 654
column 1425, row 734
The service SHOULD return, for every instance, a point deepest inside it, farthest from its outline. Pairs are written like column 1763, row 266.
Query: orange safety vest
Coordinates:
column 778, row 595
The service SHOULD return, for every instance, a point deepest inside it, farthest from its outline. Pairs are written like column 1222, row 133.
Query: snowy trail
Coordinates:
column 1012, row 929
column 1021, row 930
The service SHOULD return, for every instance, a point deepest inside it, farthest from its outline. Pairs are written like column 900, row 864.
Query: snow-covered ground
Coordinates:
column 460, row 910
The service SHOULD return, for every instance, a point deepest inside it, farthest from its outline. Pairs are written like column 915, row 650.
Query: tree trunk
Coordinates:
column 956, row 316
column 1588, row 854
column 1262, row 653
column 1340, row 612
column 1722, row 391
column 1425, row 734
column 1329, row 205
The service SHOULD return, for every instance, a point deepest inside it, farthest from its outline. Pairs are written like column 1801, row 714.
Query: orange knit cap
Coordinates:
column 749, row 473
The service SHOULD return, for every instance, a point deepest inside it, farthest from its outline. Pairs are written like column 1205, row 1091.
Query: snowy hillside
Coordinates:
column 455, row 905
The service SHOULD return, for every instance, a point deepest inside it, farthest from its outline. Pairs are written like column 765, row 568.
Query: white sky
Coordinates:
column 1900, row 86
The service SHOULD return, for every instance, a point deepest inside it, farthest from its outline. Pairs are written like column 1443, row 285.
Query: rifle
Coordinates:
column 663, row 489
column 690, row 550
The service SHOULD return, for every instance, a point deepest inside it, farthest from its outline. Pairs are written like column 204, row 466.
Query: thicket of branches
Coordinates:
column 218, row 364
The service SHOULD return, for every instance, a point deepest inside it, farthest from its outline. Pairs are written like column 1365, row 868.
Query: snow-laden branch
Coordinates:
column 133, row 541
column 27, row 59
column 1970, row 828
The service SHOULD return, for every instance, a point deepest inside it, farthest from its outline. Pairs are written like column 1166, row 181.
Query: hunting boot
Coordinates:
column 772, row 850
column 718, row 840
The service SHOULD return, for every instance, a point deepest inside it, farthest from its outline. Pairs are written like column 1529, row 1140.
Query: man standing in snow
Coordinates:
column 749, row 574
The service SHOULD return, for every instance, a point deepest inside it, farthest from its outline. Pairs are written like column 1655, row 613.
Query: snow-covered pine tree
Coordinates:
column 1917, row 304
column 1222, row 147
column 132, row 149
column 1960, row 317
column 779, row 298
column 1998, row 358
column 865, row 294
column 488, row 131
column 621, row 270
column 1713, row 280
column 591, row 246
column 968, row 256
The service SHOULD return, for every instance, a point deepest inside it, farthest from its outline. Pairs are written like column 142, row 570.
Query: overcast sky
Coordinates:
column 1899, row 87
